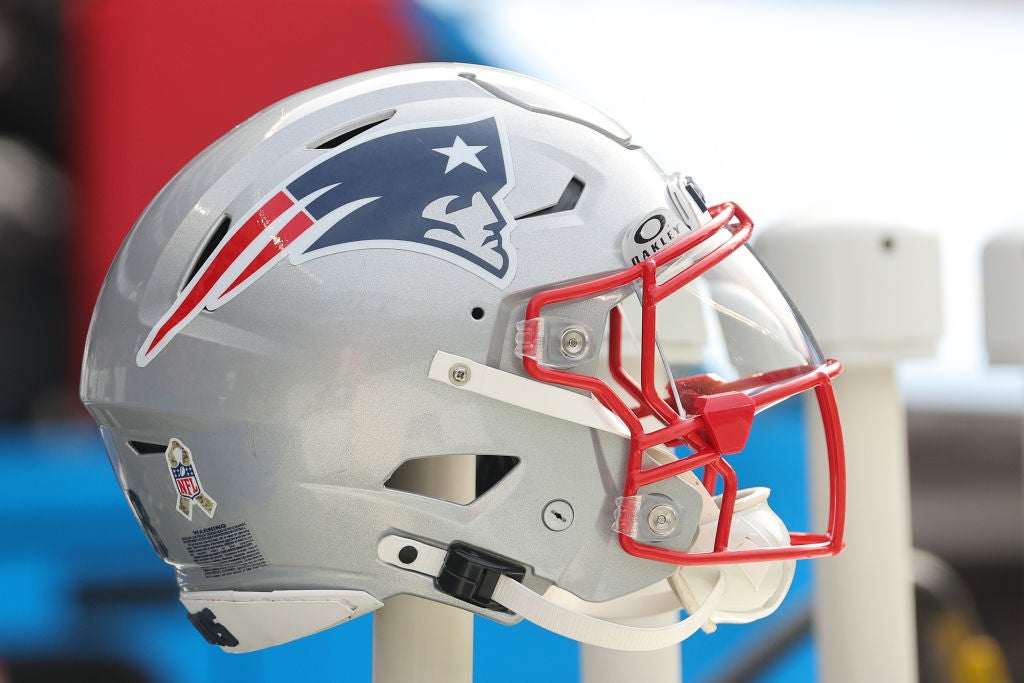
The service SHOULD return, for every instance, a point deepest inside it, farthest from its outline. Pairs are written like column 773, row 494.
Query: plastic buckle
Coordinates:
column 470, row 574
column 555, row 341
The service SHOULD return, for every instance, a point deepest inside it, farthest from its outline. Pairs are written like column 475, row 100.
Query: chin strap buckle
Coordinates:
column 471, row 574
column 493, row 582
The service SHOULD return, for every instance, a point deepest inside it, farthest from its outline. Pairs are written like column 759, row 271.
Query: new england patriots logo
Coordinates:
column 436, row 189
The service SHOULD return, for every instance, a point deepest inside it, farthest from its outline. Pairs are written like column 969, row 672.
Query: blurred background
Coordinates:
column 904, row 112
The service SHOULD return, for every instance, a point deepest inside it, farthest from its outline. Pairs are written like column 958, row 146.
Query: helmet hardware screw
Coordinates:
column 458, row 374
column 558, row 515
column 662, row 520
column 573, row 342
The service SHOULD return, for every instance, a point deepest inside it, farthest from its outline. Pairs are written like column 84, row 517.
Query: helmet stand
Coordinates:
column 683, row 344
column 864, row 611
column 416, row 640
column 601, row 665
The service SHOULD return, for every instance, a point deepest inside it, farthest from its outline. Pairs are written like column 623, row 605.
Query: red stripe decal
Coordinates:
column 295, row 227
column 226, row 256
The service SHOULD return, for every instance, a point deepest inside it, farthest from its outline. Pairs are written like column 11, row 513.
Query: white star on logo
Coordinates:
column 461, row 153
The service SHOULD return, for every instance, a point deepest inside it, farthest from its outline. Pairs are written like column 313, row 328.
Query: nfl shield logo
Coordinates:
column 185, row 478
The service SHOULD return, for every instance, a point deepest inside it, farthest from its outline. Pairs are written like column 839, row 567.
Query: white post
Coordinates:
column 681, row 334
column 1003, row 278
column 871, row 294
column 599, row 665
column 416, row 640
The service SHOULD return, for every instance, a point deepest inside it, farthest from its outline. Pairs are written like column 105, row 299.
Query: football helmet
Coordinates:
column 442, row 264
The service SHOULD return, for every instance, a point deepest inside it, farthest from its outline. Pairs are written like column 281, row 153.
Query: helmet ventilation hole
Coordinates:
column 490, row 470
column 567, row 202
column 337, row 138
column 147, row 448
column 477, row 313
column 216, row 237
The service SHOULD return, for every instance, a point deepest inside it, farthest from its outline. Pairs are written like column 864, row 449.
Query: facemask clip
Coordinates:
column 555, row 342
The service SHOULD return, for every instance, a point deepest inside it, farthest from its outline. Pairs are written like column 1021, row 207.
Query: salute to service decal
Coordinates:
column 186, row 481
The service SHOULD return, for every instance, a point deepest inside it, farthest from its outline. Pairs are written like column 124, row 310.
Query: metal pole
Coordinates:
column 864, row 620
column 682, row 335
column 416, row 640
column 600, row 665
column 871, row 293
column 1003, row 278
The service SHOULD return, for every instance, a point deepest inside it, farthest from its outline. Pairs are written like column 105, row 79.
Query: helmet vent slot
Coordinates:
column 421, row 475
column 567, row 202
column 336, row 138
column 216, row 237
column 147, row 448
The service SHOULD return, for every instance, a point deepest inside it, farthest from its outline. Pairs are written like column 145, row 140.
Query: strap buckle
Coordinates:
column 471, row 574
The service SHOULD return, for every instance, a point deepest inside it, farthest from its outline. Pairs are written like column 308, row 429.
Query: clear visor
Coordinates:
column 732, row 323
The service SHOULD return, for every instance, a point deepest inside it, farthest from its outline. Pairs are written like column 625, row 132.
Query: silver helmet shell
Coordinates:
column 258, row 391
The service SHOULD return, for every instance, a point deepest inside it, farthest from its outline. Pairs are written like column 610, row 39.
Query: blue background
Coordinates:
column 82, row 581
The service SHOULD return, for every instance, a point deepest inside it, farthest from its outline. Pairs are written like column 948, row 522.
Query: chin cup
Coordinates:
column 753, row 590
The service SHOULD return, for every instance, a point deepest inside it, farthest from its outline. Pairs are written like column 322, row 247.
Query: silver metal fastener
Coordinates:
column 573, row 342
column 458, row 374
column 662, row 520
column 558, row 515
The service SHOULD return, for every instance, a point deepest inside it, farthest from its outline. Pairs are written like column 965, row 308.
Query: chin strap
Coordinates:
column 551, row 615
column 710, row 594
column 602, row 632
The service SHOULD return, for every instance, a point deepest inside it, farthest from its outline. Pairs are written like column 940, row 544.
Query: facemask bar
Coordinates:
column 718, row 414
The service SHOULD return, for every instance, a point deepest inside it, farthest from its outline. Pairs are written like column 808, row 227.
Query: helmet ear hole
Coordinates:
column 147, row 448
column 490, row 470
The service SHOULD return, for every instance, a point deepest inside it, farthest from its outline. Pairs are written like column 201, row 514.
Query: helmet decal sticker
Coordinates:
column 649, row 235
column 186, row 481
column 224, row 549
column 440, row 186
column 436, row 189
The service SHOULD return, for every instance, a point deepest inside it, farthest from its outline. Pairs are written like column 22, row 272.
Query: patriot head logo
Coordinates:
column 437, row 189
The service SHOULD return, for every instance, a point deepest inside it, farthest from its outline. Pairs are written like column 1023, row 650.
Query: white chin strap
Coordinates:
column 554, row 616
column 728, row 593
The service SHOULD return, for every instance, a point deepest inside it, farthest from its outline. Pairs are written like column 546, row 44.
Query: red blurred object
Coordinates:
column 151, row 84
